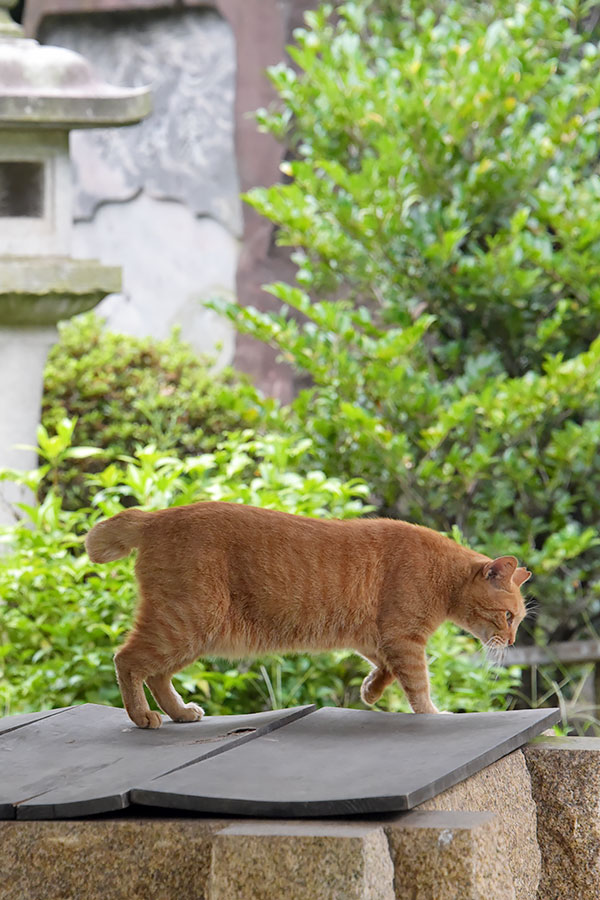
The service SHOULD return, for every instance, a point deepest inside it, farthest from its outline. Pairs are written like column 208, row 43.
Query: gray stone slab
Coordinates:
column 86, row 759
column 11, row 723
column 345, row 761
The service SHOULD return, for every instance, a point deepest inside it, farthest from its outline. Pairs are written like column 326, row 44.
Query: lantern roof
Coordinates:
column 52, row 87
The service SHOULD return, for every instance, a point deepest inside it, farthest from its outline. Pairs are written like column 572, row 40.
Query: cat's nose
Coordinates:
column 511, row 640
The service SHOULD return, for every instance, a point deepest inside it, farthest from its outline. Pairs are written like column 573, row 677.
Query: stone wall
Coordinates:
column 162, row 198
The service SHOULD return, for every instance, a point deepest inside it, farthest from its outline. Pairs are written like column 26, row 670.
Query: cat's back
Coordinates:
column 249, row 538
column 223, row 524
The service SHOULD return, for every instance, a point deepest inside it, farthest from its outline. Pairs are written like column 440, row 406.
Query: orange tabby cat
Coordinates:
column 222, row 579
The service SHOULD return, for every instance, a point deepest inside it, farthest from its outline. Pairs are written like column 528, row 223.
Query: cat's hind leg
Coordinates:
column 131, row 674
column 170, row 701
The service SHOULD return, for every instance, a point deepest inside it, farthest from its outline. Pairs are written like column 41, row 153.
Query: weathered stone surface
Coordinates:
column 185, row 150
column 44, row 290
column 140, row 859
column 161, row 198
column 47, row 233
column 173, row 261
column 437, row 856
column 261, row 29
column 54, row 87
column 23, row 353
column 449, row 856
column 301, row 861
column 565, row 779
column 505, row 789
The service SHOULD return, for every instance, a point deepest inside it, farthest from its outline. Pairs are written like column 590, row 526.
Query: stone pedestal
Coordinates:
column 565, row 781
column 460, row 850
column 34, row 294
column 416, row 856
column 23, row 353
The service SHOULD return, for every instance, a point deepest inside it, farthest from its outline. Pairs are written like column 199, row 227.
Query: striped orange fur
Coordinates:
column 223, row 579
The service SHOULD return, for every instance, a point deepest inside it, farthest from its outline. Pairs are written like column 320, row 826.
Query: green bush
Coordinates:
column 62, row 618
column 442, row 203
column 126, row 392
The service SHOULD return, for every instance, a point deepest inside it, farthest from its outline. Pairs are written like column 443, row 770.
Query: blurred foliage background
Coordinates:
column 442, row 202
column 440, row 195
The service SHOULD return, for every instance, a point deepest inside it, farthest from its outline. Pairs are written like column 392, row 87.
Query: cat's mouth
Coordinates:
column 495, row 648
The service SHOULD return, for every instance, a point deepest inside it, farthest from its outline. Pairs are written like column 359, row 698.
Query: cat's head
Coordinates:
column 490, row 604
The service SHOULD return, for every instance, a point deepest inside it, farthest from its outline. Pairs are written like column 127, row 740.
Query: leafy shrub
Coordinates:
column 442, row 202
column 61, row 618
column 126, row 392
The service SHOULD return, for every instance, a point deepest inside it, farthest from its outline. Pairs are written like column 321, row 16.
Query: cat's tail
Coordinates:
column 115, row 537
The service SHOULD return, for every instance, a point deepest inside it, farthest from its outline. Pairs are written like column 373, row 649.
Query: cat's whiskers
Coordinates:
column 531, row 608
column 495, row 649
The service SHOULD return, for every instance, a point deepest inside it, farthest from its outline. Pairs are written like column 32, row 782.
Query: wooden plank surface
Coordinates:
column 10, row 723
column 300, row 762
column 86, row 759
column 346, row 761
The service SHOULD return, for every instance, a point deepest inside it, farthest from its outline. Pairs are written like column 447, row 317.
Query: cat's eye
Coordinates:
column 509, row 616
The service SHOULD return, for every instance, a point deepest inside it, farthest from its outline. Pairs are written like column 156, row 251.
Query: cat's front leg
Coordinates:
column 170, row 701
column 375, row 684
column 408, row 662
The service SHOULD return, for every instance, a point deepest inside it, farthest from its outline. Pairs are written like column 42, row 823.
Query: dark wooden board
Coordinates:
column 86, row 759
column 10, row 723
column 346, row 761
column 300, row 762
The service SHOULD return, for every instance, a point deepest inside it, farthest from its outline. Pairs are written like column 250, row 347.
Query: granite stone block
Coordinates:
column 440, row 855
column 301, row 861
column 107, row 859
column 565, row 780
column 503, row 788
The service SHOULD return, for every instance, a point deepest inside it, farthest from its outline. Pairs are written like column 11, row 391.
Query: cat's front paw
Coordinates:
column 190, row 712
column 426, row 710
column 149, row 719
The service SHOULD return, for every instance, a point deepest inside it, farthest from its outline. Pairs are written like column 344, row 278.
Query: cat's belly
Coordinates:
column 246, row 639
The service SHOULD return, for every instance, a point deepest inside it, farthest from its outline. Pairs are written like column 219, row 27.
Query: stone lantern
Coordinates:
column 45, row 92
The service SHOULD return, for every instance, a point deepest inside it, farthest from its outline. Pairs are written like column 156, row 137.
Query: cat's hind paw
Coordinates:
column 190, row 712
column 368, row 695
column 375, row 684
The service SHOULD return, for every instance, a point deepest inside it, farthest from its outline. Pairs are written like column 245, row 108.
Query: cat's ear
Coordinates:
column 501, row 569
column 521, row 575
